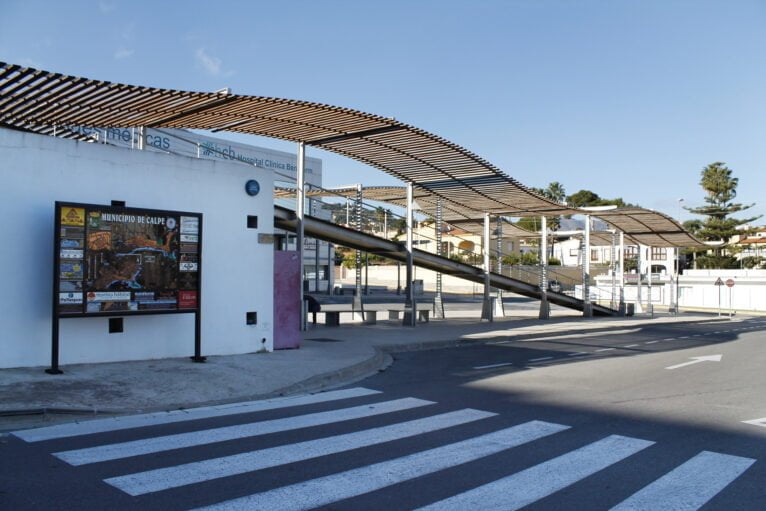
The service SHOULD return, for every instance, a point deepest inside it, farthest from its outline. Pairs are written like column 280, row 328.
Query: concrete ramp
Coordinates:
column 327, row 231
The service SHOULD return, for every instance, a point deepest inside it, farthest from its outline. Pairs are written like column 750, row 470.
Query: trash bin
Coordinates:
column 417, row 286
column 630, row 309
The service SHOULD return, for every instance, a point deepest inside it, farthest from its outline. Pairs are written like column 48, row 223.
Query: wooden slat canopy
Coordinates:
column 40, row 98
column 43, row 101
column 649, row 227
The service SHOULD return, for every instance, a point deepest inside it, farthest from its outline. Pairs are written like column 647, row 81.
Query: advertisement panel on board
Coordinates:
column 119, row 260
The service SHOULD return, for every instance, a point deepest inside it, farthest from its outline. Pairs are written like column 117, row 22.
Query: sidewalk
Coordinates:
column 328, row 357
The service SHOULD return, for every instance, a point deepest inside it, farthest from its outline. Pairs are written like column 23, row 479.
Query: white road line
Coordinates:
column 630, row 346
column 494, row 365
column 696, row 335
column 690, row 485
column 153, row 419
column 757, row 422
column 578, row 354
column 209, row 436
column 670, row 339
column 606, row 349
column 540, row 359
column 539, row 481
column 190, row 473
column 344, row 485
column 651, row 342
column 684, row 337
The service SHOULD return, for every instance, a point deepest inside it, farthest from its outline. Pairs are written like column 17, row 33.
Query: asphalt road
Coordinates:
column 597, row 421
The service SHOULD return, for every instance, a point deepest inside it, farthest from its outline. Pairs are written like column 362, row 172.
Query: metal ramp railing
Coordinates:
column 327, row 231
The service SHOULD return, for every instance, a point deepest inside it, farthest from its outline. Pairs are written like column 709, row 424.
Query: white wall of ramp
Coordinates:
column 237, row 271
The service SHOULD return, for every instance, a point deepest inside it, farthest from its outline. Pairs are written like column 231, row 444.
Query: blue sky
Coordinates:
column 626, row 98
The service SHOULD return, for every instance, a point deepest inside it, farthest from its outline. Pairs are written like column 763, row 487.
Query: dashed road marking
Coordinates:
column 490, row 366
column 630, row 346
column 651, row 342
column 579, row 353
column 540, row 359
column 607, row 349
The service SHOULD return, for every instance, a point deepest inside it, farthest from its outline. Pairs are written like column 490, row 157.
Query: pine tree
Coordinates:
column 721, row 190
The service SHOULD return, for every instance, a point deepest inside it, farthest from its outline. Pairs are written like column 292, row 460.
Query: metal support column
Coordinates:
column 141, row 138
column 545, row 308
column 438, row 299
column 499, row 307
column 649, row 304
column 410, row 305
column 613, row 267
column 622, row 273
column 330, row 269
column 300, row 184
column 639, row 287
column 678, row 280
column 587, row 308
column 357, row 306
column 316, row 250
column 486, row 305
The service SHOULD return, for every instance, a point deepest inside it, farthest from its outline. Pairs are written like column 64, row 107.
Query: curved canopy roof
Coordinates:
column 41, row 100
column 641, row 226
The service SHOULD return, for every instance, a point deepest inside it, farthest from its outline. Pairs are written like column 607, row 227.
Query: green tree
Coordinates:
column 720, row 191
column 589, row 198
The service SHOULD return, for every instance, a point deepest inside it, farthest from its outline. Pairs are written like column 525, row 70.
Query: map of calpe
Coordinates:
column 114, row 259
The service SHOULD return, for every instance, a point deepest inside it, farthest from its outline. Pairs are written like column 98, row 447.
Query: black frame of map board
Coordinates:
column 81, row 253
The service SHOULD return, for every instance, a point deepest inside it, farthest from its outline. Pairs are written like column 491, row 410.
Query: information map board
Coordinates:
column 121, row 261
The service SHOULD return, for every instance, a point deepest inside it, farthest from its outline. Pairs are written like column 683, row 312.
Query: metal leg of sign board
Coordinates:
column 719, row 301
column 730, row 306
column 198, row 358
column 54, row 368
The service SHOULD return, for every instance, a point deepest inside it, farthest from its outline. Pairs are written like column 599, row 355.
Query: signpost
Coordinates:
column 718, row 284
column 730, row 285
column 118, row 261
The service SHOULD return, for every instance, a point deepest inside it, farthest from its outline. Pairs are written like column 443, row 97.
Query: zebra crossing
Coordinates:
column 688, row 486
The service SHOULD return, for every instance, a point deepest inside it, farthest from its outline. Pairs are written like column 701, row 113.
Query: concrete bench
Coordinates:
column 332, row 318
column 422, row 315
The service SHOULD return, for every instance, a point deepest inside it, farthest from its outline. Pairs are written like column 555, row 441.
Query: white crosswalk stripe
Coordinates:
column 692, row 484
column 209, row 436
column 153, row 419
column 689, row 486
column 182, row 475
column 328, row 489
column 532, row 484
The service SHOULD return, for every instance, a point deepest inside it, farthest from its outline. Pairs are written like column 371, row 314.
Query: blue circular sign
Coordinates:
column 252, row 187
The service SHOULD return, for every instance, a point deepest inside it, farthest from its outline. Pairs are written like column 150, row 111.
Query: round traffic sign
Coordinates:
column 729, row 282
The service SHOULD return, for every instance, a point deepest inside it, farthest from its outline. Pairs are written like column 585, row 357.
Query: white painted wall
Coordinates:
column 698, row 290
column 237, row 273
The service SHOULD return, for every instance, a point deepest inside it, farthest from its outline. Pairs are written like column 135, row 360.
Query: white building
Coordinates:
column 237, row 263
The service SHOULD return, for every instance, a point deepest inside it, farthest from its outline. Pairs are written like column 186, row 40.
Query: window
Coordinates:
column 659, row 253
column 574, row 252
column 630, row 252
column 594, row 255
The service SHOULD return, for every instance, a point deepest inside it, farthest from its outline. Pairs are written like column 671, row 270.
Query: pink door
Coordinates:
column 287, row 296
